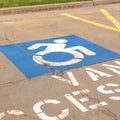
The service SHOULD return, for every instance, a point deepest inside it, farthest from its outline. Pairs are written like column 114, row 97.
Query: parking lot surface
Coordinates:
column 61, row 64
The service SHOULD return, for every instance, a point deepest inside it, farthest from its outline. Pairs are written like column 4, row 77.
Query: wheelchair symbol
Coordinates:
column 59, row 45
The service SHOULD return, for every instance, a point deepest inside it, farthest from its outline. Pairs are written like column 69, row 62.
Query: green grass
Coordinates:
column 15, row 3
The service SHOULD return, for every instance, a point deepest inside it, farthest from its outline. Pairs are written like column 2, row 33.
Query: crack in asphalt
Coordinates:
column 86, row 95
column 105, row 110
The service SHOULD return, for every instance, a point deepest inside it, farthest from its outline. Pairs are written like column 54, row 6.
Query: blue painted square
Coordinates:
column 56, row 54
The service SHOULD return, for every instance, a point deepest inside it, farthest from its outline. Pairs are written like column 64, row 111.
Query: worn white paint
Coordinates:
column 91, row 72
column 80, row 91
column 94, row 74
column 72, row 80
column 117, row 90
column 95, row 106
column 114, row 70
column 37, row 109
column 62, row 79
column 101, row 89
column 43, row 116
column 64, row 114
column 113, row 67
column 59, row 45
column 2, row 115
column 76, row 103
column 15, row 112
column 104, row 90
column 117, row 62
column 40, row 60
column 84, row 99
column 115, row 97
column 12, row 112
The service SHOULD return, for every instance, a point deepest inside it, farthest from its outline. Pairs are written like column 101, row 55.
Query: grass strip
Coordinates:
column 16, row 3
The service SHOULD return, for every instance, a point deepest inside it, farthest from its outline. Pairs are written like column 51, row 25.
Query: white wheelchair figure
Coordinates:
column 59, row 45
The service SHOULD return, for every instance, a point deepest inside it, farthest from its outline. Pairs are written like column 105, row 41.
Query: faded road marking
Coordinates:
column 111, row 18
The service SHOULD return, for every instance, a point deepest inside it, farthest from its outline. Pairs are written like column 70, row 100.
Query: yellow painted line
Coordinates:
column 111, row 18
column 94, row 23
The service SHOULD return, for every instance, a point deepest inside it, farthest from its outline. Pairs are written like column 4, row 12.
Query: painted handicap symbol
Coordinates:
column 40, row 57
column 59, row 45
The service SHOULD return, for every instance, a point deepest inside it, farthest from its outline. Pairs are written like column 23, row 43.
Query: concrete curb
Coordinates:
column 101, row 2
column 16, row 10
column 44, row 7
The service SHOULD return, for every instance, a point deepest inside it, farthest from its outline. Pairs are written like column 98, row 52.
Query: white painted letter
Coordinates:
column 76, row 103
column 82, row 99
column 95, row 77
column 12, row 112
column 43, row 116
column 2, row 115
column 101, row 89
column 15, row 112
column 113, row 67
column 72, row 80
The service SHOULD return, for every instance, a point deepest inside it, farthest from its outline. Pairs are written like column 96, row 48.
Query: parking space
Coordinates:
column 61, row 64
